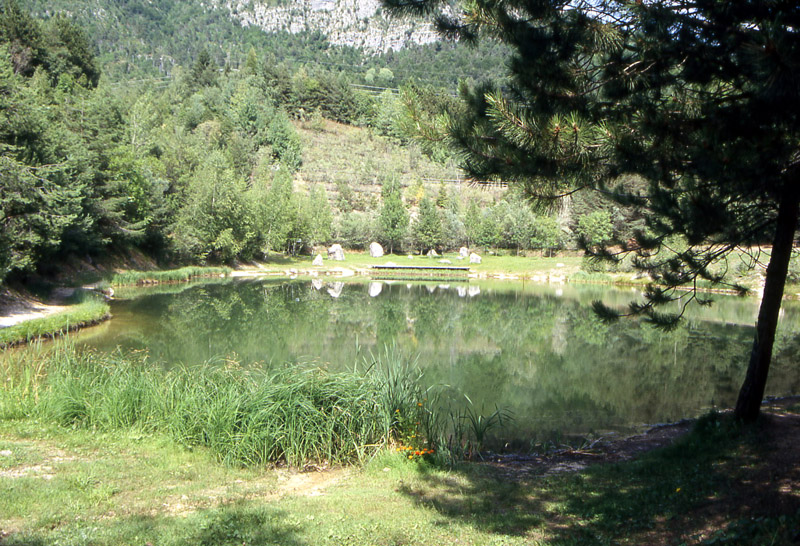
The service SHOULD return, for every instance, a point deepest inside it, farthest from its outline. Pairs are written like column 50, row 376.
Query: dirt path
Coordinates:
column 15, row 308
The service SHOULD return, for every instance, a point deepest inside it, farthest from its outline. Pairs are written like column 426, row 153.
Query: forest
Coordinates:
column 206, row 163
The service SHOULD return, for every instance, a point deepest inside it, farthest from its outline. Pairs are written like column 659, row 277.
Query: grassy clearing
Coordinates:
column 89, row 311
column 522, row 266
column 168, row 275
column 719, row 485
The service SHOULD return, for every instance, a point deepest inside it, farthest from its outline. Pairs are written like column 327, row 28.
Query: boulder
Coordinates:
column 463, row 252
column 445, row 261
column 432, row 253
column 375, row 250
column 474, row 258
column 335, row 252
column 317, row 261
column 375, row 289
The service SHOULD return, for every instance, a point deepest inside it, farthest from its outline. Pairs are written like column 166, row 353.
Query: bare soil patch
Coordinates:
column 781, row 427
column 16, row 308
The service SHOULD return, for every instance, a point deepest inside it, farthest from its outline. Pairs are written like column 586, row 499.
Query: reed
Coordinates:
column 90, row 311
column 168, row 275
column 294, row 415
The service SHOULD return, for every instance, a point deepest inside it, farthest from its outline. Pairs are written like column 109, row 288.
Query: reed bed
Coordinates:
column 88, row 312
column 245, row 416
column 295, row 415
column 167, row 275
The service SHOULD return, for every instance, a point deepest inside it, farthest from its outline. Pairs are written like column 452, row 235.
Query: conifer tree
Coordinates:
column 393, row 218
column 699, row 98
column 427, row 230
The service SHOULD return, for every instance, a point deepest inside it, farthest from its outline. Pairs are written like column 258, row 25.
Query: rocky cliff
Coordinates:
column 357, row 23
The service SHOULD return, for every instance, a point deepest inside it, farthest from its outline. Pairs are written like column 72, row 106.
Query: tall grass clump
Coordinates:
column 421, row 418
column 169, row 275
column 90, row 310
column 246, row 416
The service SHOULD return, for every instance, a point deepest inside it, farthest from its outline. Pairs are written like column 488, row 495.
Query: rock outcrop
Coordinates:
column 356, row 23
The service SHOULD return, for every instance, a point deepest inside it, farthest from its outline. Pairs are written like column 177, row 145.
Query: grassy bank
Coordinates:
column 87, row 312
column 167, row 275
column 719, row 485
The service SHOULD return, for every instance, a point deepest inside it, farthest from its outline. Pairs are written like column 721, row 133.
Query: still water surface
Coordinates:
column 535, row 350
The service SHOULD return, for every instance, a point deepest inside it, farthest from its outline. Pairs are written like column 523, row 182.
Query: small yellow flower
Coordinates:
column 678, row 490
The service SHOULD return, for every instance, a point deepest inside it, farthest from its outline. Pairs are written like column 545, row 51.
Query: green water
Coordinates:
column 535, row 350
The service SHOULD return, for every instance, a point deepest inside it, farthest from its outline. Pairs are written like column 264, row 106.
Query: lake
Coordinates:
column 537, row 351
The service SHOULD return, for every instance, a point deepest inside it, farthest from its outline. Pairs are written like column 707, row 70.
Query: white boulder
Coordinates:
column 375, row 250
column 335, row 252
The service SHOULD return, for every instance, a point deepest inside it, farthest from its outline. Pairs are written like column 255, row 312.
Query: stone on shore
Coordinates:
column 335, row 252
column 375, row 250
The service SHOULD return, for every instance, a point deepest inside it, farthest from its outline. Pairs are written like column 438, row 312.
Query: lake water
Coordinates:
column 535, row 350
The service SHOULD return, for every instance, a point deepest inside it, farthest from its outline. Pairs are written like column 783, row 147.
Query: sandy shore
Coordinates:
column 15, row 308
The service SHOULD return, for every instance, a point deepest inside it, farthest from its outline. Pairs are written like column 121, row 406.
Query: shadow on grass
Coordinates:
column 231, row 525
column 719, row 484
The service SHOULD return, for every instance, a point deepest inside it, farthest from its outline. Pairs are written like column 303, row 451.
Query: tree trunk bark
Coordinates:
column 752, row 392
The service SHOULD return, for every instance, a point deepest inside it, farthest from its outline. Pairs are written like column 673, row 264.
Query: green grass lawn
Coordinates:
column 63, row 486
column 527, row 266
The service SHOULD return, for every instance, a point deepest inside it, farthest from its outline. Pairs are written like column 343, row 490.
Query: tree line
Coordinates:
column 202, row 169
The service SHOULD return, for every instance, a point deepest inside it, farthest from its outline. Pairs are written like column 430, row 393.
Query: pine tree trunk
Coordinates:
column 752, row 392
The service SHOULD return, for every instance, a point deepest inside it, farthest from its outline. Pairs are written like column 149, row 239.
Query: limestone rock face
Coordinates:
column 474, row 258
column 356, row 23
column 317, row 261
column 375, row 250
column 335, row 252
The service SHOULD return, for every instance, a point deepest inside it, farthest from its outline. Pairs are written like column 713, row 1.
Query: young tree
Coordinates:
column 698, row 98
column 472, row 222
column 393, row 219
column 321, row 217
column 427, row 230
column 596, row 228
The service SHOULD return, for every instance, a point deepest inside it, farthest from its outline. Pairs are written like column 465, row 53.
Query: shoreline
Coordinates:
column 16, row 309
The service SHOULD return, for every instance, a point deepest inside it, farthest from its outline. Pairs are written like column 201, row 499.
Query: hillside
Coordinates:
column 352, row 163
column 141, row 38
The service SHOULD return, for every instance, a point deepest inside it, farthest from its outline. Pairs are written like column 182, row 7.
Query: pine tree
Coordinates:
column 698, row 98
column 393, row 219
column 427, row 230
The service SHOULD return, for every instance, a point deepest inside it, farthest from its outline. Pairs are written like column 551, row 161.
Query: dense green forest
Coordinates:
column 207, row 163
